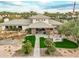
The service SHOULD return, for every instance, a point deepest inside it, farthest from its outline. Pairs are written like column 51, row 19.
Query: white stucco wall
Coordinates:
column 3, row 27
column 16, row 26
column 43, row 20
column 6, row 20
column 34, row 21
column 24, row 27
column 57, row 38
column 46, row 21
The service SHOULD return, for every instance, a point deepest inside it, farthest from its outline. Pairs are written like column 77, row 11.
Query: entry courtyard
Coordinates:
column 64, row 48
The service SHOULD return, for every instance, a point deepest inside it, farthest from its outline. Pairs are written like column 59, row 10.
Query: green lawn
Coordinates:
column 65, row 44
column 31, row 38
column 42, row 45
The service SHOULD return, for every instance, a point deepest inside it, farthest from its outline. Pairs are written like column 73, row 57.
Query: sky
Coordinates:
column 38, row 6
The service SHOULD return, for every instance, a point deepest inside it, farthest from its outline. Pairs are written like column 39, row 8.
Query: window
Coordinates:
column 51, row 28
column 6, row 27
column 43, row 19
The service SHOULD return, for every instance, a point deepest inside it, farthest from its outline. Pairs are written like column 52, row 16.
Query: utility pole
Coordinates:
column 74, row 10
column 74, row 7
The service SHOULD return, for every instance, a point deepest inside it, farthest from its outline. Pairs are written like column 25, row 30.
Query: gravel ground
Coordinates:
column 18, row 53
column 61, row 52
column 42, row 52
column 8, row 50
column 10, row 42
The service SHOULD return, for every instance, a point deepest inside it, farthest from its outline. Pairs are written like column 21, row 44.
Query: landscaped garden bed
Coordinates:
column 43, row 53
column 27, row 48
column 19, row 53
column 31, row 38
column 67, row 44
column 46, row 49
column 64, row 44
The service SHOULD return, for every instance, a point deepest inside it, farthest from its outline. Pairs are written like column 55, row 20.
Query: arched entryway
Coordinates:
column 40, row 31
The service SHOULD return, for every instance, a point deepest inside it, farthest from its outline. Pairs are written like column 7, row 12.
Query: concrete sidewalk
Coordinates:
column 37, row 44
column 37, row 47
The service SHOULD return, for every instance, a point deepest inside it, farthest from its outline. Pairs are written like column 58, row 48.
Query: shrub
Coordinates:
column 50, row 46
column 29, row 30
column 31, row 38
column 78, row 42
column 27, row 47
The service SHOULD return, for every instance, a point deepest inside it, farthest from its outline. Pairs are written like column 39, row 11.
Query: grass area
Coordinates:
column 42, row 44
column 31, row 38
column 64, row 44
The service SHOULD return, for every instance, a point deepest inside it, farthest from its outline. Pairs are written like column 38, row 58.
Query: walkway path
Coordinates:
column 37, row 45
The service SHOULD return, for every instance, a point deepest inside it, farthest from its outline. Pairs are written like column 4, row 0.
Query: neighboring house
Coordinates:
column 37, row 24
column 0, row 17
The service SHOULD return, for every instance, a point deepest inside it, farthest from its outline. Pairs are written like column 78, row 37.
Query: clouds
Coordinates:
column 4, row 3
column 42, row 5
